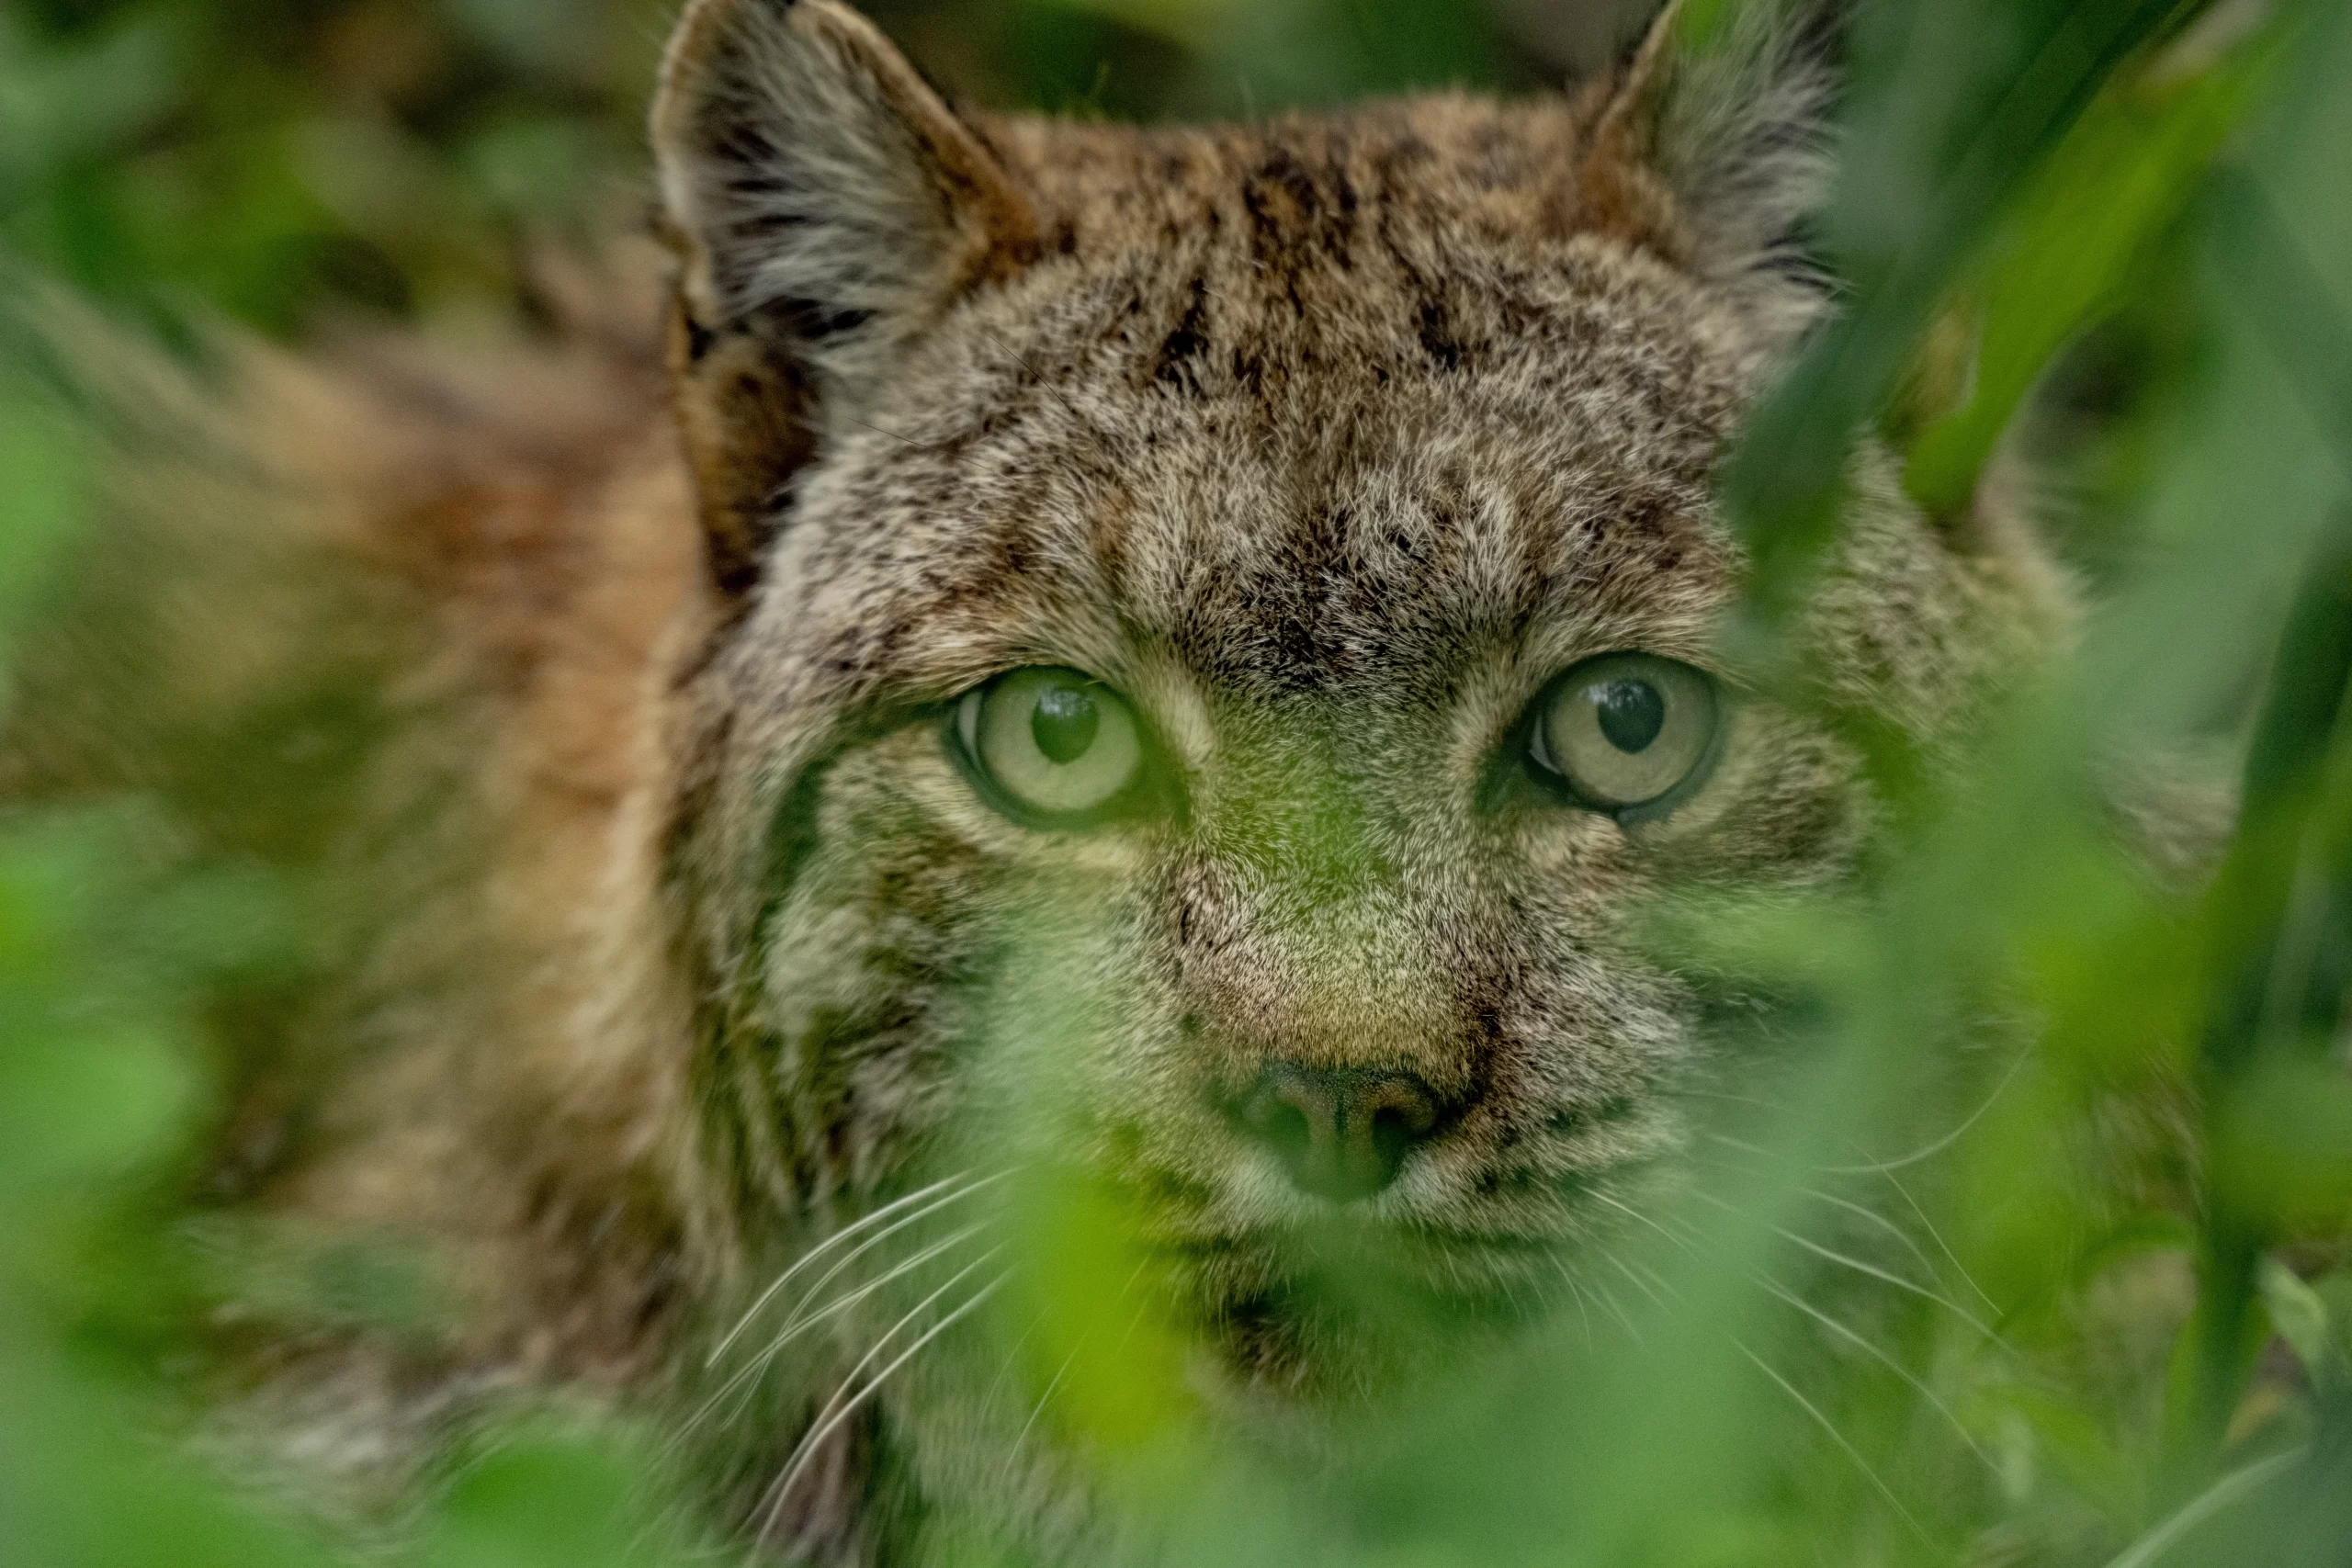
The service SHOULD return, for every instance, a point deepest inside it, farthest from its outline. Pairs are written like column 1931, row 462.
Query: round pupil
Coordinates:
column 1064, row 724
column 1631, row 712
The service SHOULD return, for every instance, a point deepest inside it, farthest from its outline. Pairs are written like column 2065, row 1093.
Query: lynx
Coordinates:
column 1169, row 659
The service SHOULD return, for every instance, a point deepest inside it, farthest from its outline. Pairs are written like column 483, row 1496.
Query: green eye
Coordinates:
column 1056, row 746
column 1624, row 730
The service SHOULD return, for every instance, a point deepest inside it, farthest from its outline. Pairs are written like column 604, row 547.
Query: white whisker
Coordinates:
column 1628, row 1209
column 843, row 1264
column 1743, row 1146
column 1870, row 1270
column 802, row 1322
column 1039, row 1408
column 1071, row 1360
column 1838, row 1437
column 828, row 1418
column 1936, row 1236
column 810, row 1257
column 1661, row 1281
column 1620, row 1264
column 1684, row 1092
column 1898, row 1281
column 1616, row 1309
column 1012, row 1359
column 1910, row 1244
column 1575, row 1293
column 1847, row 1334
column 1880, row 1167
column 1133, row 1323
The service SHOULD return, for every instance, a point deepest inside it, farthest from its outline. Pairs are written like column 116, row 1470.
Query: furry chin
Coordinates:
column 1345, row 1315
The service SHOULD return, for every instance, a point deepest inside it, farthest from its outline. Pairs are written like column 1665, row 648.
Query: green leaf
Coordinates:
column 2083, row 227
column 2299, row 1315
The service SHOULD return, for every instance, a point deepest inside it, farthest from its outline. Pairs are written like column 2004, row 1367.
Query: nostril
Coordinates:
column 1341, row 1133
column 1283, row 1126
column 1288, row 1112
column 1392, row 1137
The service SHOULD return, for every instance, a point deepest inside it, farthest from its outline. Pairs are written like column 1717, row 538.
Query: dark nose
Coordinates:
column 1342, row 1133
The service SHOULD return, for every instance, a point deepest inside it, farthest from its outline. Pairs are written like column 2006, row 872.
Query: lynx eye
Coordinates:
column 1051, row 746
column 1624, row 731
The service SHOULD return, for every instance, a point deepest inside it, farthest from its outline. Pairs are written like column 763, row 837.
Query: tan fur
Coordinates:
column 679, row 941
column 486, row 570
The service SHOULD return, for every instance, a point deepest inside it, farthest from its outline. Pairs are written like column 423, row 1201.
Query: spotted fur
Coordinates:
column 1330, row 441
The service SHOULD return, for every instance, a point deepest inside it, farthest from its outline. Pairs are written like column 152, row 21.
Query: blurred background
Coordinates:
column 276, row 158
column 288, row 163
column 2135, row 215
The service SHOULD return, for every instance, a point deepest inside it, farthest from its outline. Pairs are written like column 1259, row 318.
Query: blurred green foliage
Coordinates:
column 2139, row 211
column 270, row 158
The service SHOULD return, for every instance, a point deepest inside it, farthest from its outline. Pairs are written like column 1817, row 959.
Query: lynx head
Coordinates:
column 1222, row 645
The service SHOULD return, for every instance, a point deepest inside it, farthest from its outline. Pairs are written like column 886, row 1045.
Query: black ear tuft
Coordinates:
column 808, row 171
column 826, row 207
column 1738, row 128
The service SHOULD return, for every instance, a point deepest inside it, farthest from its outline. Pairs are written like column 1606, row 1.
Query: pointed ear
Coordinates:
column 1716, row 150
column 826, row 208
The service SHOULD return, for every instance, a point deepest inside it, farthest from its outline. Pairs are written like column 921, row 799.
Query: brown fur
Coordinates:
column 680, row 942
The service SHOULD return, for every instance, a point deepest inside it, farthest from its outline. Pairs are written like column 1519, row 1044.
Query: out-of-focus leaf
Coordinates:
column 39, row 505
column 2298, row 1312
column 1969, row 1063
column 64, row 105
column 2284, row 1146
column 2127, row 170
column 542, row 1499
column 1986, row 91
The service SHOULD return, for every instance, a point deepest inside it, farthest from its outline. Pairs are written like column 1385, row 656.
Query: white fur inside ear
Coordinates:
column 795, row 183
column 1742, row 135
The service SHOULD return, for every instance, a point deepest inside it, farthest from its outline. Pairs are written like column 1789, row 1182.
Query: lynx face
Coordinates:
column 1227, row 648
